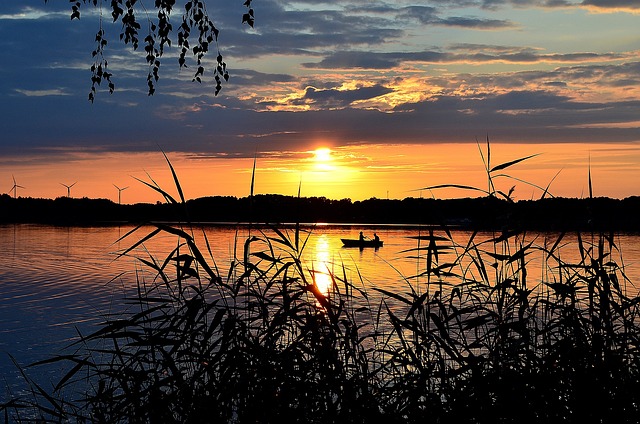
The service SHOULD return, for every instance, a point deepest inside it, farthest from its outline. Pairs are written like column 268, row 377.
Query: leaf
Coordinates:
column 546, row 189
column 157, row 188
column 590, row 185
column 465, row 187
column 394, row 295
column 68, row 375
column 477, row 321
column 248, row 19
column 510, row 163
column 139, row 242
column 557, row 242
column 175, row 178
column 253, row 174
column 265, row 256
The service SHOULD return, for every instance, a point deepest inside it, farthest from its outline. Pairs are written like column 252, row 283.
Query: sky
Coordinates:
column 341, row 99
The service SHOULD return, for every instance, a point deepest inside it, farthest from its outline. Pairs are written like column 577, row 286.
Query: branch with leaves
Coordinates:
column 197, row 35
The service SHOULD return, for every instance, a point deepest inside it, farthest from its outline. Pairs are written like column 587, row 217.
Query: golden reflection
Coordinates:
column 321, row 271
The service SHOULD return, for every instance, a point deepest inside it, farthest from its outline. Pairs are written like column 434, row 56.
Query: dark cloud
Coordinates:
column 476, row 23
column 560, row 84
column 363, row 60
column 522, row 116
column 496, row 4
column 378, row 60
column 612, row 4
column 332, row 98
column 558, row 78
column 535, row 101
column 486, row 48
column 490, row 4
column 530, row 57
column 602, row 74
column 432, row 16
column 298, row 32
column 206, row 128
column 249, row 77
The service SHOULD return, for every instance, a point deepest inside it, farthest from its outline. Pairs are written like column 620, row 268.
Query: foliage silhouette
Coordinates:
column 484, row 213
column 197, row 25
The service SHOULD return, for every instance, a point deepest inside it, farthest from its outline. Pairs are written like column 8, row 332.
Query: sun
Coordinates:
column 322, row 159
column 322, row 154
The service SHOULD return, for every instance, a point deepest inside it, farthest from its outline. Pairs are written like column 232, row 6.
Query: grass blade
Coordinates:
column 175, row 178
column 512, row 162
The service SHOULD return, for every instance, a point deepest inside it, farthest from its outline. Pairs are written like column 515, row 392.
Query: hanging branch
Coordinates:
column 196, row 34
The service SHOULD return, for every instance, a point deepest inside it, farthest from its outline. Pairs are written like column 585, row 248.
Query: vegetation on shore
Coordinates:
column 483, row 213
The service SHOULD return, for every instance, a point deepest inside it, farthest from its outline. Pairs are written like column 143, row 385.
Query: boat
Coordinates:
column 361, row 243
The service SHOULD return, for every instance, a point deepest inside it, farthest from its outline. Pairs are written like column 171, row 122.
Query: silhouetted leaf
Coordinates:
column 510, row 163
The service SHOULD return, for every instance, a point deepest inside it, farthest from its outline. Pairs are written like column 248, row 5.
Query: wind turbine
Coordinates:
column 15, row 187
column 120, row 190
column 69, row 188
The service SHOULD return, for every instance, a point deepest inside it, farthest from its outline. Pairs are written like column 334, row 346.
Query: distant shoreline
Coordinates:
column 486, row 213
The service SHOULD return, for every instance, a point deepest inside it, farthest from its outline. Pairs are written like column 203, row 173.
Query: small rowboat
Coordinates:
column 361, row 243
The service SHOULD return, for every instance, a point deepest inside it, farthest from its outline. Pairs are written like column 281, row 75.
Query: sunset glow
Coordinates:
column 322, row 155
column 395, row 171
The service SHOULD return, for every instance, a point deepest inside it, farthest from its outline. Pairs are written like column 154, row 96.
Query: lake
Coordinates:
column 55, row 281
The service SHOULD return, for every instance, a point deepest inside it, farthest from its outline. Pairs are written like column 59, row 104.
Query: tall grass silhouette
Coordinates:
column 472, row 339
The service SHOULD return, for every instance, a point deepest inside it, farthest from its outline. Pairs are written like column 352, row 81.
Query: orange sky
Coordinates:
column 394, row 171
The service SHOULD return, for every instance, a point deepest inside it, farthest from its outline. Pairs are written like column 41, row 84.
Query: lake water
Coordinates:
column 56, row 279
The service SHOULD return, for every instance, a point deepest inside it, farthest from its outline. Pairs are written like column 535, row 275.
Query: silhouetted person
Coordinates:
column 376, row 238
column 361, row 236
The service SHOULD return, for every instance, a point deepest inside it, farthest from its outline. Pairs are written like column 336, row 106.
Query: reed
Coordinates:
column 473, row 339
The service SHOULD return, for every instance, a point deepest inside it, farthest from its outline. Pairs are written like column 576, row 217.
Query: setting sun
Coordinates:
column 322, row 158
column 322, row 154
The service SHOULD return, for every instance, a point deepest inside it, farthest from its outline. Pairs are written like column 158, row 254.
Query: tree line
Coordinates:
column 482, row 213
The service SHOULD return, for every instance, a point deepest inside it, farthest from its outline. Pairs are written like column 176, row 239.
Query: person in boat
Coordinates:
column 376, row 238
column 361, row 237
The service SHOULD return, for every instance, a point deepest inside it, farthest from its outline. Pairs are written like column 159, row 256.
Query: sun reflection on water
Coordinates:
column 321, row 265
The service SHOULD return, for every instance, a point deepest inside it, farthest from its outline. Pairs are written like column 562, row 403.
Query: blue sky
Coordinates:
column 358, row 77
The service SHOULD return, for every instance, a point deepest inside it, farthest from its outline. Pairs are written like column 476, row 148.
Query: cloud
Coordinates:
column 476, row 23
column 17, row 12
column 382, row 60
column 612, row 5
column 362, row 60
column 334, row 98
column 250, row 77
column 43, row 93
column 496, row 4
column 595, row 5
column 298, row 31
column 431, row 16
column 591, row 81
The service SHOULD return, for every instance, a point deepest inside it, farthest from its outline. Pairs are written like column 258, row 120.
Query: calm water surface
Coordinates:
column 57, row 281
